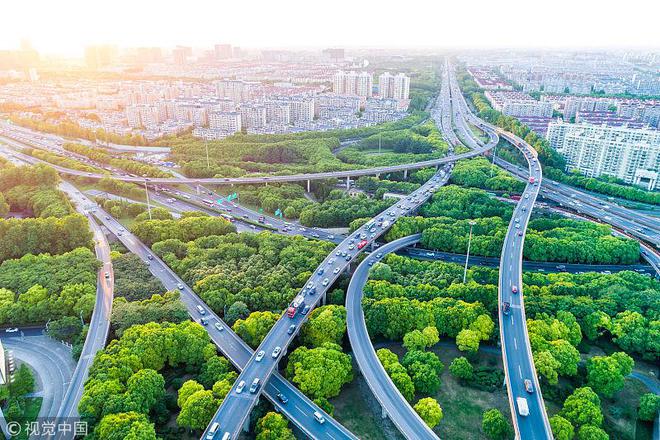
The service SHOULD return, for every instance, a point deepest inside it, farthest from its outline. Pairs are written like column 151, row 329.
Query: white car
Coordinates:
column 336, row 271
column 260, row 356
column 179, row 286
column 326, row 281
column 11, row 330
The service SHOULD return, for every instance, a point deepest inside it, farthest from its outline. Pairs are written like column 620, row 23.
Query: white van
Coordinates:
column 212, row 431
column 523, row 409
column 227, row 436
column 201, row 310
column 319, row 417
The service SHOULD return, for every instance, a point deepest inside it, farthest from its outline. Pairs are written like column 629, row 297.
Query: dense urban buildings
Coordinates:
column 630, row 154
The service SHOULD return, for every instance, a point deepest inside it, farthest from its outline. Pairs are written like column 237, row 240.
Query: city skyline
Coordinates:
column 138, row 24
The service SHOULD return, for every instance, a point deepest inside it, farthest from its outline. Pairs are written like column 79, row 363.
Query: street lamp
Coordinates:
column 467, row 256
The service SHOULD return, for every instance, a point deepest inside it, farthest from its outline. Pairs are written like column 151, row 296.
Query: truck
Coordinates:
column 523, row 409
column 298, row 302
column 362, row 244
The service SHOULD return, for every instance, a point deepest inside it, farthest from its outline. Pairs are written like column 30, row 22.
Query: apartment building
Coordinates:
column 353, row 84
column 253, row 116
column 631, row 154
column 393, row 86
column 225, row 122
column 518, row 104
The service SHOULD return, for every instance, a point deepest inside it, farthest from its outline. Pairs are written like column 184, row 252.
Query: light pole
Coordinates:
column 467, row 256
column 146, row 191
column 206, row 145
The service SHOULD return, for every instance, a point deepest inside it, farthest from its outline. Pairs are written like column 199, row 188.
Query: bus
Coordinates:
column 229, row 218
column 208, row 202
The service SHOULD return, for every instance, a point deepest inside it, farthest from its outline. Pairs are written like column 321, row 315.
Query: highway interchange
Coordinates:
column 518, row 363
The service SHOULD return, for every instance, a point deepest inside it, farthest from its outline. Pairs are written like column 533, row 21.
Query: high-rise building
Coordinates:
column 253, row 116
column 180, row 55
column 353, row 84
column 278, row 112
column 335, row 54
column 236, row 90
column 302, row 109
column 222, row 51
column 100, row 56
column 226, row 122
column 630, row 154
column 393, row 86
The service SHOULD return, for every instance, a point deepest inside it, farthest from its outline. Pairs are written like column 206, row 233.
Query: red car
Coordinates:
column 514, row 289
column 362, row 244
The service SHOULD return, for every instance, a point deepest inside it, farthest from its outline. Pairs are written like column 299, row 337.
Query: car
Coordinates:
column 239, row 388
column 11, row 330
column 259, row 356
column 331, row 237
column 276, row 352
column 518, row 225
column 561, row 267
column 107, row 217
column 305, row 310
column 119, row 234
column 506, row 307
column 379, row 255
column 319, row 417
column 320, row 271
column 514, row 289
column 310, row 285
column 517, row 220
column 348, row 257
column 527, row 196
column 336, row 271
column 212, row 430
column 326, row 281
column 201, row 310
column 528, row 386
column 343, row 254
column 338, row 253
column 255, row 385
column 219, row 327
column 107, row 275
column 204, row 321
column 179, row 286
column 519, row 233
column 351, row 247
column 363, row 236
column 315, row 235
column 371, row 262
column 282, row 398
column 292, row 328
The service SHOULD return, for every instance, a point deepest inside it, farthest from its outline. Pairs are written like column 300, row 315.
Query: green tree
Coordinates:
column 198, row 409
column 495, row 425
column 397, row 373
column 255, row 327
column 188, row 388
column 606, row 374
column 23, row 382
column 484, row 325
column 273, row 426
column 583, row 408
column 238, row 310
column 424, row 369
column 589, row 432
column 468, row 340
column 325, row 324
column 214, row 369
column 144, row 389
column 649, row 405
column 461, row 368
column 320, row 371
column 547, row 366
column 429, row 410
column 128, row 425
column 561, row 428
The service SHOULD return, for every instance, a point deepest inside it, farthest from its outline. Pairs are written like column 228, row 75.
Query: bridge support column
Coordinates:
column 405, row 174
column 383, row 412
column 309, row 187
column 348, row 183
column 246, row 425
column 325, row 297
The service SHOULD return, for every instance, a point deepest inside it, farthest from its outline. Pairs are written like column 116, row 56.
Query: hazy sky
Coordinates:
column 66, row 26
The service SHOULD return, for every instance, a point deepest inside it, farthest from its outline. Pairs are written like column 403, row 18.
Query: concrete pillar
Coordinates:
column 309, row 189
column 324, row 298
column 405, row 174
column 383, row 412
column 348, row 183
column 246, row 425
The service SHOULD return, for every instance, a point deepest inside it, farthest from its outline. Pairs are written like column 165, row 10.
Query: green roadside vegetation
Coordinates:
column 126, row 164
column 554, row 166
column 16, row 405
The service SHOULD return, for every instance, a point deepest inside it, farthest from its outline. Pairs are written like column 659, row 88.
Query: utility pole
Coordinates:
column 492, row 166
column 206, row 145
column 380, row 138
column 467, row 256
column 146, row 191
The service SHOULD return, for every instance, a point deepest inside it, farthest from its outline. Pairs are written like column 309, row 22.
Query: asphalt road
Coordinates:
column 404, row 417
column 237, row 406
column 99, row 325
column 299, row 409
column 528, row 411
column 51, row 361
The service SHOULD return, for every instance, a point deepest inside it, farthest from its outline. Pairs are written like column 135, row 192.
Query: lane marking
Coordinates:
column 520, row 371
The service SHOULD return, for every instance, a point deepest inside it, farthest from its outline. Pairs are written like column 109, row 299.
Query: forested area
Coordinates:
column 480, row 173
column 184, row 229
column 33, row 191
column 288, row 198
column 339, row 209
column 445, row 226
column 152, row 371
column 71, row 129
column 129, row 165
column 415, row 302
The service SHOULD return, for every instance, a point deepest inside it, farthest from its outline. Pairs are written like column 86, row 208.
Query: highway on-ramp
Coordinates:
column 397, row 408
